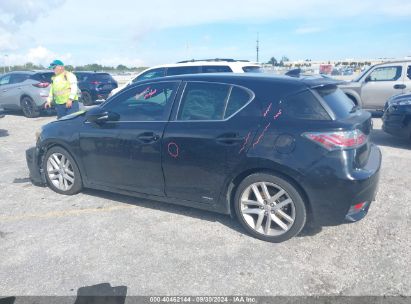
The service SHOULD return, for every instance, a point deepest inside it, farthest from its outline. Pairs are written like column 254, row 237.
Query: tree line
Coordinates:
column 88, row 67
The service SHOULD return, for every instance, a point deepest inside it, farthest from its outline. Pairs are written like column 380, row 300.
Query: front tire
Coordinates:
column 29, row 108
column 62, row 173
column 269, row 207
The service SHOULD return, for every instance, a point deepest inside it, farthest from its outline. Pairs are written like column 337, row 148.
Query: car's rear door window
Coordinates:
column 239, row 97
column 154, row 73
column 203, row 101
column 183, row 70
column 216, row 69
column 18, row 78
column 212, row 101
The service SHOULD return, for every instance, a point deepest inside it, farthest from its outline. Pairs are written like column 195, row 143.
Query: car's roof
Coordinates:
column 29, row 72
column 89, row 72
column 21, row 72
column 244, row 77
column 240, row 63
column 394, row 62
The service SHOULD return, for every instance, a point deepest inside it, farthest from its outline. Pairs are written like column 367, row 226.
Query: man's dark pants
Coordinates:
column 63, row 111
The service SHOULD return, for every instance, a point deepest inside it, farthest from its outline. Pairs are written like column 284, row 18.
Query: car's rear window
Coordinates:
column 252, row 69
column 338, row 102
column 303, row 106
column 103, row 77
column 43, row 77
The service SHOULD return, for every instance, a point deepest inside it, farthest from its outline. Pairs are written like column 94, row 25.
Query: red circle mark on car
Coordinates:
column 172, row 148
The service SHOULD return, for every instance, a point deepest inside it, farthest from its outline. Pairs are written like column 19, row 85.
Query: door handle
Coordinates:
column 148, row 137
column 229, row 138
column 400, row 86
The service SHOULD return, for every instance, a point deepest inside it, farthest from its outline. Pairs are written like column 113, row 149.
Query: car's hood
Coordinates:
column 401, row 96
column 74, row 115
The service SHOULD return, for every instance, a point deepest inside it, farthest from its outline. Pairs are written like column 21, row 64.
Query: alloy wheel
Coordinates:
column 60, row 171
column 267, row 209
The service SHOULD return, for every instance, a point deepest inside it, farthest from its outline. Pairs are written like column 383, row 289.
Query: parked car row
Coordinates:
column 28, row 90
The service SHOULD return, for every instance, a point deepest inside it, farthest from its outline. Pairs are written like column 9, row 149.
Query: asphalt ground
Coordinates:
column 54, row 245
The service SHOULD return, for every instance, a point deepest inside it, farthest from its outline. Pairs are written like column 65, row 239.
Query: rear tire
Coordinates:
column 86, row 98
column 269, row 207
column 62, row 174
column 29, row 108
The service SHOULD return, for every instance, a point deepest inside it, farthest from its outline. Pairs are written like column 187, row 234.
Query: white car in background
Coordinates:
column 381, row 81
column 195, row 67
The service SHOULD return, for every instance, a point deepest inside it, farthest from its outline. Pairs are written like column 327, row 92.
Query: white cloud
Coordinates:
column 37, row 55
column 7, row 41
column 14, row 13
column 121, row 28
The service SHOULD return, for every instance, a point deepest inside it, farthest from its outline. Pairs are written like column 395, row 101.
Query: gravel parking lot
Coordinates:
column 53, row 245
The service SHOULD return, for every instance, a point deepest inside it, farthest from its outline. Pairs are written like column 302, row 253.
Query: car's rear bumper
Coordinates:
column 32, row 158
column 333, row 197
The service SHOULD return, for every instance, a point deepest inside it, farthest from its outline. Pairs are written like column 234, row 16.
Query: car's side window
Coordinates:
column 5, row 80
column 18, row 78
column 239, row 97
column 391, row 73
column 216, row 69
column 204, row 101
column 183, row 70
column 303, row 105
column 155, row 73
column 409, row 72
column 148, row 102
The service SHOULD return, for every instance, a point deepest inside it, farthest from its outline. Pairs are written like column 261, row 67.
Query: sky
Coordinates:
column 147, row 33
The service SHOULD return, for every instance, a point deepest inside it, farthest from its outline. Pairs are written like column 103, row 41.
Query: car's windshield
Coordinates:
column 362, row 74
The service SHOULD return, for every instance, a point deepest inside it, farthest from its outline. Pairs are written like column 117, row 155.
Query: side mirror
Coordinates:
column 99, row 116
column 367, row 79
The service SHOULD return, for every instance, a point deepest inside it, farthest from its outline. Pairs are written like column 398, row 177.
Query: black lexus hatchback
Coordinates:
column 273, row 151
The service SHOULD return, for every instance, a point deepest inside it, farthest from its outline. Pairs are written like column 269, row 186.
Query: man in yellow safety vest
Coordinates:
column 63, row 90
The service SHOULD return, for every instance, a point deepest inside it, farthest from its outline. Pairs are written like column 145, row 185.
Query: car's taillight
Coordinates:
column 41, row 84
column 338, row 140
column 95, row 82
